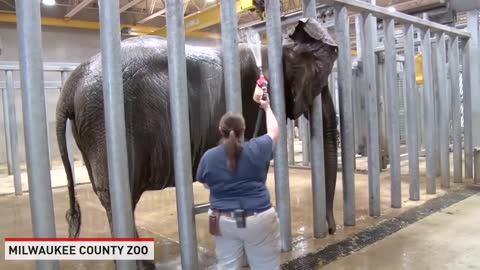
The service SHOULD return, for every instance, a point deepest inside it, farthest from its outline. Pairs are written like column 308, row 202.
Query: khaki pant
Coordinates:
column 259, row 241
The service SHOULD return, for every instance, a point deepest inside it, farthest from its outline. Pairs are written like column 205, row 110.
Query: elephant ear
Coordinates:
column 309, row 59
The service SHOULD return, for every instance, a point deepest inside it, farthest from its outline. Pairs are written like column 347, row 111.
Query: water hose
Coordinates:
column 261, row 82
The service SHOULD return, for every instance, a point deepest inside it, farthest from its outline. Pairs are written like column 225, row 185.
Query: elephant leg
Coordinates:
column 330, row 152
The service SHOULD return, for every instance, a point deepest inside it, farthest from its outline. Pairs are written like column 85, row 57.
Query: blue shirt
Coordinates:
column 244, row 187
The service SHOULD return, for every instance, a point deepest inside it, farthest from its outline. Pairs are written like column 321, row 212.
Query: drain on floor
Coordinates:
column 378, row 232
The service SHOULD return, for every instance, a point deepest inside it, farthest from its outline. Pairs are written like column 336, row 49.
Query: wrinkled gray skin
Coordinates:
column 306, row 62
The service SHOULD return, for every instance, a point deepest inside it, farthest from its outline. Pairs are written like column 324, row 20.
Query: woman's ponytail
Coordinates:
column 232, row 147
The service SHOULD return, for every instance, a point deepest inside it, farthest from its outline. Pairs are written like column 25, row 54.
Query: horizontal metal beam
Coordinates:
column 152, row 16
column 130, row 4
column 52, row 66
column 201, row 208
column 77, row 8
column 383, row 13
column 46, row 85
column 201, row 20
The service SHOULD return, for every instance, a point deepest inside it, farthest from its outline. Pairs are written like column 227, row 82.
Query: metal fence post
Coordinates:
column 476, row 162
column 305, row 137
column 456, row 121
column 429, row 110
column 6, row 122
column 345, row 93
column 317, row 151
column 436, row 108
column 35, row 124
column 118, row 171
column 231, row 58
column 177, row 74
column 440, row 55
column 392, row 97
column 12, row 130
column 474, row 55
column 412, row 127
column 467, row 111
column 275, row 57
column 368, row 47
column 291, row 142
column 68, row 135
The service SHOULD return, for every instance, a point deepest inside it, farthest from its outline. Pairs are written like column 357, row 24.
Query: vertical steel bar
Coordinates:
column 305, row 136
column 474, row 56
column 69, row 135
column 412, row 96
column 275, row 57
column 368, row 47
column 456, row 122
column 467, row 110
column 35, row 124
column 382, row 132
column 440, row 55
column 12, row 130
column 428, row 109
column 177, row 73
column 393, row 128
column 476, row 161
column 118, row 171
column 291, row 140
column 6, row 122
column 317, row 150
column 345, row 93
column 436, row 104
column 231, row 58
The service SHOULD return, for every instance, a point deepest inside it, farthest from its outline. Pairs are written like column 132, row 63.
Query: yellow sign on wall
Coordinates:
column 418, row 68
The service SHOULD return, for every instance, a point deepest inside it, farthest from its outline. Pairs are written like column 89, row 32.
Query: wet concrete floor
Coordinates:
column 156, row 217
column 448, row 239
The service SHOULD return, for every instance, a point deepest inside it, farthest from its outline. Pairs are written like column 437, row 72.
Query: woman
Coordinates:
column 242, row 217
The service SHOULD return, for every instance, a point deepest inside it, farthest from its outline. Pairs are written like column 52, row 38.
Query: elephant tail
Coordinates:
column 73, row 215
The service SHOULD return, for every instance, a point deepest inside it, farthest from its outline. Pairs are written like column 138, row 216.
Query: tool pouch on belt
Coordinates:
column 214, row 223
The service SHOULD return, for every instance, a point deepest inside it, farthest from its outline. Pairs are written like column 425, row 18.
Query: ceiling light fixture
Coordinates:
column 48, row 2
column 392, row 9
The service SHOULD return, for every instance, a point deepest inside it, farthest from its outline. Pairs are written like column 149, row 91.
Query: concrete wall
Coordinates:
column 59, row 45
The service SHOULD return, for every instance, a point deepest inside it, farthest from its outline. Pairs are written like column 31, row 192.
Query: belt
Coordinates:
column 231, row 214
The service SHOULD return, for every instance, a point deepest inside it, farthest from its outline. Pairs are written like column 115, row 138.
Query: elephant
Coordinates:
column 308, row 57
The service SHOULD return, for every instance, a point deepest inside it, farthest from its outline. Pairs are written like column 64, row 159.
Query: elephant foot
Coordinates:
column 332, row 227
column 145, row 265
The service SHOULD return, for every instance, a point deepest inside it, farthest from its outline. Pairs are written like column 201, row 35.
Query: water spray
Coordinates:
column 255, row 44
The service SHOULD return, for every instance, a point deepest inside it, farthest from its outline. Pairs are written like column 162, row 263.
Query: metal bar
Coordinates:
column 118, row 171
column 456, row 121
column 305, row 136
column 380, row 85
column 14, row 66
column 345, row 93
column 282, row 189
column 467, row 111
column 6, row 121
column 153, row 16
column 317, row 151
column 130, row 4
column 12, row 131
column 369, row 24
column 412, row 141
column 393, row 128
column 383, row 13
column 476, row 162
column 429, row 110
column 77, row 8
column 441, row 56
column 291, row 142
column 35, row 124
column 231, row 58
column 69, row 135
column 201, row 208
column 474, row 56
column 177, row 74
column 436, row 103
